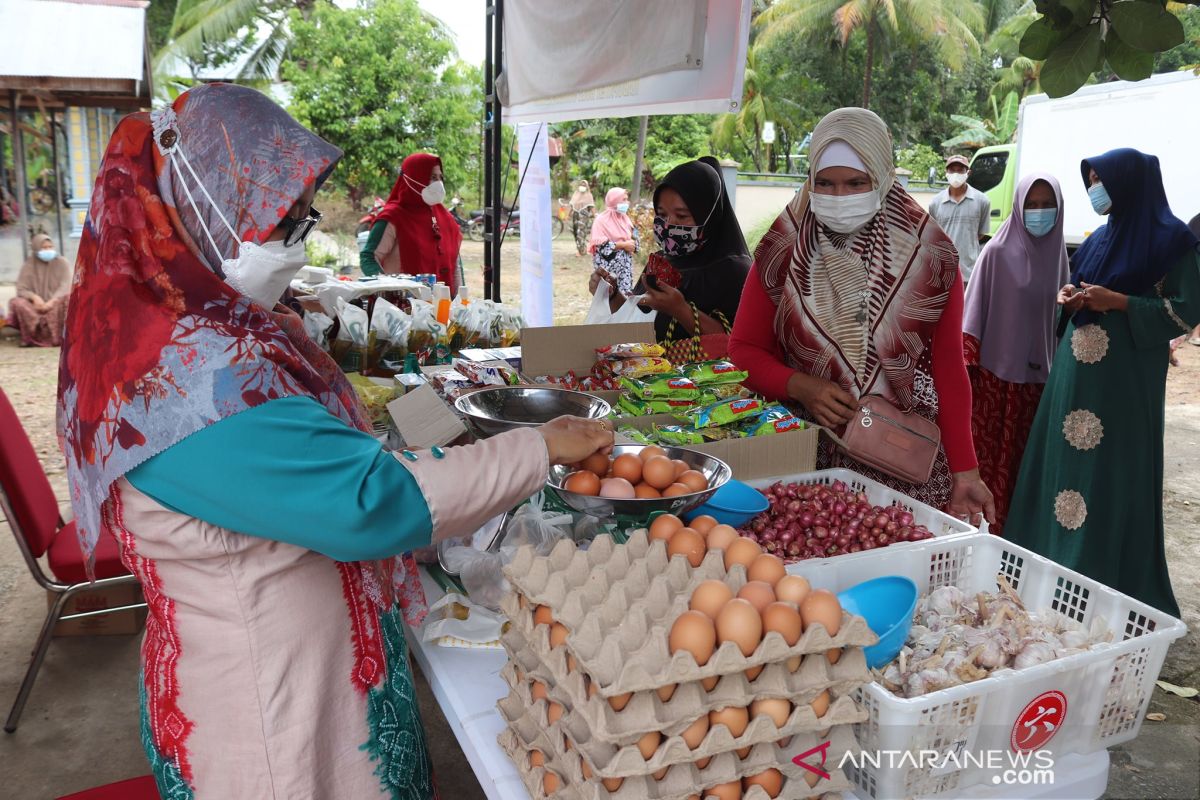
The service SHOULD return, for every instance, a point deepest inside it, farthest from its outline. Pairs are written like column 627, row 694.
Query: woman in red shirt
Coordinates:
column 856, row 291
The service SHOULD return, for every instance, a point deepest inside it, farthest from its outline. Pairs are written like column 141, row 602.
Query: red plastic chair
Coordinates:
column 142, row 788
column 31, row 509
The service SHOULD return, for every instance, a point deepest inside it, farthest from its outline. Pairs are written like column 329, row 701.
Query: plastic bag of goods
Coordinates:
column 390, row 346
column 317, row 326
column 426, row 333
column 349, row 348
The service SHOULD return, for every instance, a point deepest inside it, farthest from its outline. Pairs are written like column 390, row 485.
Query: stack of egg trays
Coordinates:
column 618, row 602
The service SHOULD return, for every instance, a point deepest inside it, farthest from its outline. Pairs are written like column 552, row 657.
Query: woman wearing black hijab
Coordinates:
column 697, row 275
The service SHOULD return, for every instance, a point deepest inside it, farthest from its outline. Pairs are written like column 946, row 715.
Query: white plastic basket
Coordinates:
column 938, row 522
column 1104, row 692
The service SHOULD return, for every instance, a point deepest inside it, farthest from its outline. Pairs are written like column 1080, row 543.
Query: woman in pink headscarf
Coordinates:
column 613, row 243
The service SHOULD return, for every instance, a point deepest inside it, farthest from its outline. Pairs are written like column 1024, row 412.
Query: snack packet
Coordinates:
column 317, row 326
column 350, row 346
column 726, row 412
column 716, row 392
column 636, row 407
column 390, row 326
column 673, row 386
column 678, row 435
column 630, row 350
column 373, row 396
column 639, row 437
column 637, row 367
column 766, row 427
column 486, row 374
column 710, row 372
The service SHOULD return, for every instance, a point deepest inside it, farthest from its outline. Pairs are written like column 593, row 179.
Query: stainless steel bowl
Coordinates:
column 504, row 408
column 715, row 470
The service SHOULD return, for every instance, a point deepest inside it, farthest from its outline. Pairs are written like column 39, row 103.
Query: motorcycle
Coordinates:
column 368, row 220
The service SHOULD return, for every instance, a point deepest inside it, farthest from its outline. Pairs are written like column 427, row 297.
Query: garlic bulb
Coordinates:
column 1033, row 654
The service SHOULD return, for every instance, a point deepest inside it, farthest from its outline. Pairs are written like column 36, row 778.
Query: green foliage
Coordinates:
column 1076, row 38
column 380, row 81
column 919, row 159
column 159, row 18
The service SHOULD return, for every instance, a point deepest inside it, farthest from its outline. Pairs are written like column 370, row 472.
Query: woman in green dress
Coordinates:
column 1089, row 495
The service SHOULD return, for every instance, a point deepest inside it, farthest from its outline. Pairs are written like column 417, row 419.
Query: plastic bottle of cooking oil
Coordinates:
column 441, row 296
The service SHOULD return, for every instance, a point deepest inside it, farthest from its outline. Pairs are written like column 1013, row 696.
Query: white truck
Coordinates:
column 1159, row 116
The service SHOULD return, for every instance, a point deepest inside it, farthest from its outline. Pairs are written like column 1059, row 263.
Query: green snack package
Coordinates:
column 672, row 386
column 640, row 437
column 714, row 372
column 636, row 407
column 678, row 434
column 716, row 392
column 726, row 412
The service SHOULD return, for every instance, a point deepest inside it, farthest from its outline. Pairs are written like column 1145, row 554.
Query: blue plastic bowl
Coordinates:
column 734, row 504
column 887, row 604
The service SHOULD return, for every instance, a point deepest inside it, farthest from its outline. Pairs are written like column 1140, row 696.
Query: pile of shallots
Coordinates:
column 956, row 639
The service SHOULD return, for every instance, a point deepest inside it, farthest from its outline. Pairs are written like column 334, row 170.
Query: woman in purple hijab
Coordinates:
column 1008, row 330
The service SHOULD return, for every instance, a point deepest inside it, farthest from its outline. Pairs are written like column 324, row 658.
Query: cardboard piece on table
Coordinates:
column 565, row 348
column 750, row 458
column 424, row 420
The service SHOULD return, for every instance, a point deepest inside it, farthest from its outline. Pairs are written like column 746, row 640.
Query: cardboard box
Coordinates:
column 565, row 348
column 121, row 623
column 751, row 458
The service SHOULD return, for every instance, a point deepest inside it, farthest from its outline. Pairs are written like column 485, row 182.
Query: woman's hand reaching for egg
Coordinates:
column 570, row 440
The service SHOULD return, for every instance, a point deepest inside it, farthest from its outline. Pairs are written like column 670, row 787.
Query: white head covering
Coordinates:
column 839, row 153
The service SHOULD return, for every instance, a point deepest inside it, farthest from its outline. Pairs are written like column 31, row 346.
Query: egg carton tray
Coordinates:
column 529, row 731
column 621, row 639
column 647, row 711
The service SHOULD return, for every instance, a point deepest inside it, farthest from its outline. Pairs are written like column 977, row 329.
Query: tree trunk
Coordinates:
column 866, row 103
column 637, row 162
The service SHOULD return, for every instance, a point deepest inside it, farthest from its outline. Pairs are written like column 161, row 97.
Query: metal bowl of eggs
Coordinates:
column 637, row 481
column 493, row 411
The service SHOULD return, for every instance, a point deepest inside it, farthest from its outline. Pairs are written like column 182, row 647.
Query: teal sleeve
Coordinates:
column 366, row 257
column 290, row 471
column 1157, row 320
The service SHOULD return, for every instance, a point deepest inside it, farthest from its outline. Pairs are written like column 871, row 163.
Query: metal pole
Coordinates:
column 637, row 164
column 58, row 199
column 22, row 189
column 489, row 133
column 498, row 164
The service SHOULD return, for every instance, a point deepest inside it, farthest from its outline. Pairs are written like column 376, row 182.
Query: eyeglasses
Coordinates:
column 299, row 229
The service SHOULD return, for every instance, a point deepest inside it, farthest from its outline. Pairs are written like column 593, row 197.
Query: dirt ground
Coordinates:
column 65, row 715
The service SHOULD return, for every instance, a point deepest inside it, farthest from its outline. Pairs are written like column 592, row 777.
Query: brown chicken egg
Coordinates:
column 741, row 551
column 820, row 704
column 550, row 783
column 652, row 451
column 664, row 526
column 792, row 589
column 521, row 601
column 542, row 615
column 784, row 619
column 592, row 689
column 538, row 691
column 617, row 489
column 571, row 665
column 710, row 597
column 695, row 633
column 701, row 763
column 759, row 594
column 612, row 784
column 703, row 524
column 537, row 758
column 694, row 734
column 680, row 467
column 770, row 780
column 710, row 683
column 739, row 622
column 725, row 791
column 658, row 472
column 619, row 701
column 833, row 654
column 689, row 544
column 597, row 463
column 734, row 718
column 583, row 482
column 753, row 673
column 676, row 490
column 766, row 568
column 694, row 480
column 821, row 607
column 648, row 744
column 662, row 773
column 558, row 634
column 629, row 467
column 644, row 491
column 665, row 693
column 776, row 708
column 719, row 537
column 554, row 713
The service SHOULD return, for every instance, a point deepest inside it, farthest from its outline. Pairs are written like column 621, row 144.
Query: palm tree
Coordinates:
column 947, row 26
column 199, row 25
column 761, row 103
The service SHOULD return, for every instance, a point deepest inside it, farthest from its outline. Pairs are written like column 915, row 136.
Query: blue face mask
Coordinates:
column 1040, row 221
column 623, row 207
column 46, row 255
column 1101, row 202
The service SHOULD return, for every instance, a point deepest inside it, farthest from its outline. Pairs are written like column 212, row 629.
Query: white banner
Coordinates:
column 714, row 88
column 537, row 258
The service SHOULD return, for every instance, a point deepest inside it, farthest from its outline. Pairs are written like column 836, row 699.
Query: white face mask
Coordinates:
column 845, row 213
column 434, row 193
column 263, row 272
column 956, row 179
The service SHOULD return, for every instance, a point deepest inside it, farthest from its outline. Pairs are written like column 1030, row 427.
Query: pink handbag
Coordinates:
column 902, row 444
